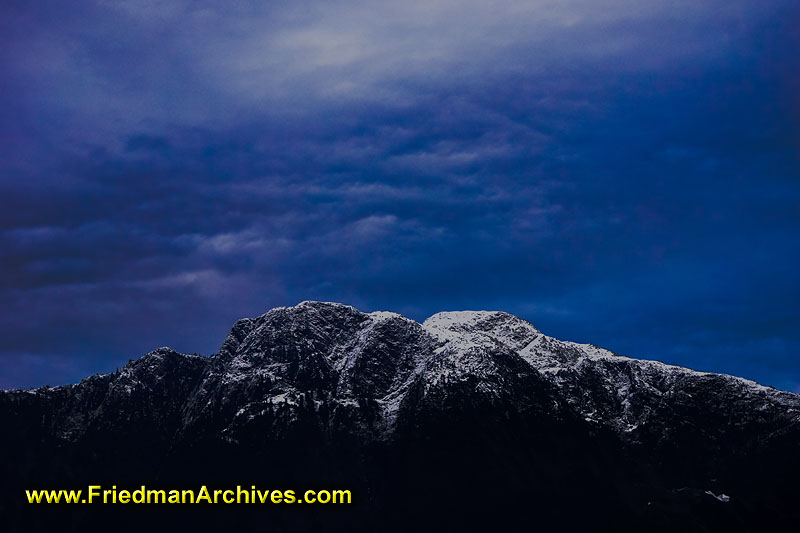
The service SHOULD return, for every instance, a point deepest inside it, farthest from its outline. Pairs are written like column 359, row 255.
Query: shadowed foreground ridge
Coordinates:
column 468, row 420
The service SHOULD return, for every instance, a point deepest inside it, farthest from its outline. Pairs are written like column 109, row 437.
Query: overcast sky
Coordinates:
column 624, row 173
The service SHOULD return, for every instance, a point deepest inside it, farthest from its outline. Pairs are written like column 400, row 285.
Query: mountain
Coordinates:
column 470, row 420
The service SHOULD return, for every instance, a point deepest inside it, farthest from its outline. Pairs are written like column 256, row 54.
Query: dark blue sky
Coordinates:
column 621, row 172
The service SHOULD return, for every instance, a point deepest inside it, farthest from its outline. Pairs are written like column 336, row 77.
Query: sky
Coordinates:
column 618, row 172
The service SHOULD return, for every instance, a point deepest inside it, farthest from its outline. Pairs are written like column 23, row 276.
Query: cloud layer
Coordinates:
column 619, row 173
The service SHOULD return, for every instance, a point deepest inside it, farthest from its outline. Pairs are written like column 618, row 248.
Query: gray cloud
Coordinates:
column 619, row 172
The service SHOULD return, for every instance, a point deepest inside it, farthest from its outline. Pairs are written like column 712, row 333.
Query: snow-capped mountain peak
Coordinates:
column 322, row 375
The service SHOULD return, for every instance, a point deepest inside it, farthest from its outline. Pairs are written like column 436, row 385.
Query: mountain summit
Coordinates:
column 472, row 418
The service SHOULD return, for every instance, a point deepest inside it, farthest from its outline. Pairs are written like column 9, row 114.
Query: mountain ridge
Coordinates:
column 452, row 330
column 390, row 314
column 342, row 392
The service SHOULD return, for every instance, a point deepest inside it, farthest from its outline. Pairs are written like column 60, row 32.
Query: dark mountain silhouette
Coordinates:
column 469, row 421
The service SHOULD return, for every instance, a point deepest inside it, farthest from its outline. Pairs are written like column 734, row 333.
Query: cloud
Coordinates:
column 619, row 173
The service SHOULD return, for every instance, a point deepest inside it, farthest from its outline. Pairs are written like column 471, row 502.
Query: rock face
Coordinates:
column 468, row 420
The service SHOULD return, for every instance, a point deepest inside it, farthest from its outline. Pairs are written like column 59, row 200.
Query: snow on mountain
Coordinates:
column 382, row 355
column 464, row 396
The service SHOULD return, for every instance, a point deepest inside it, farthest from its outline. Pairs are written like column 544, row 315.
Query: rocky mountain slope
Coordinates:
column 470, row 419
